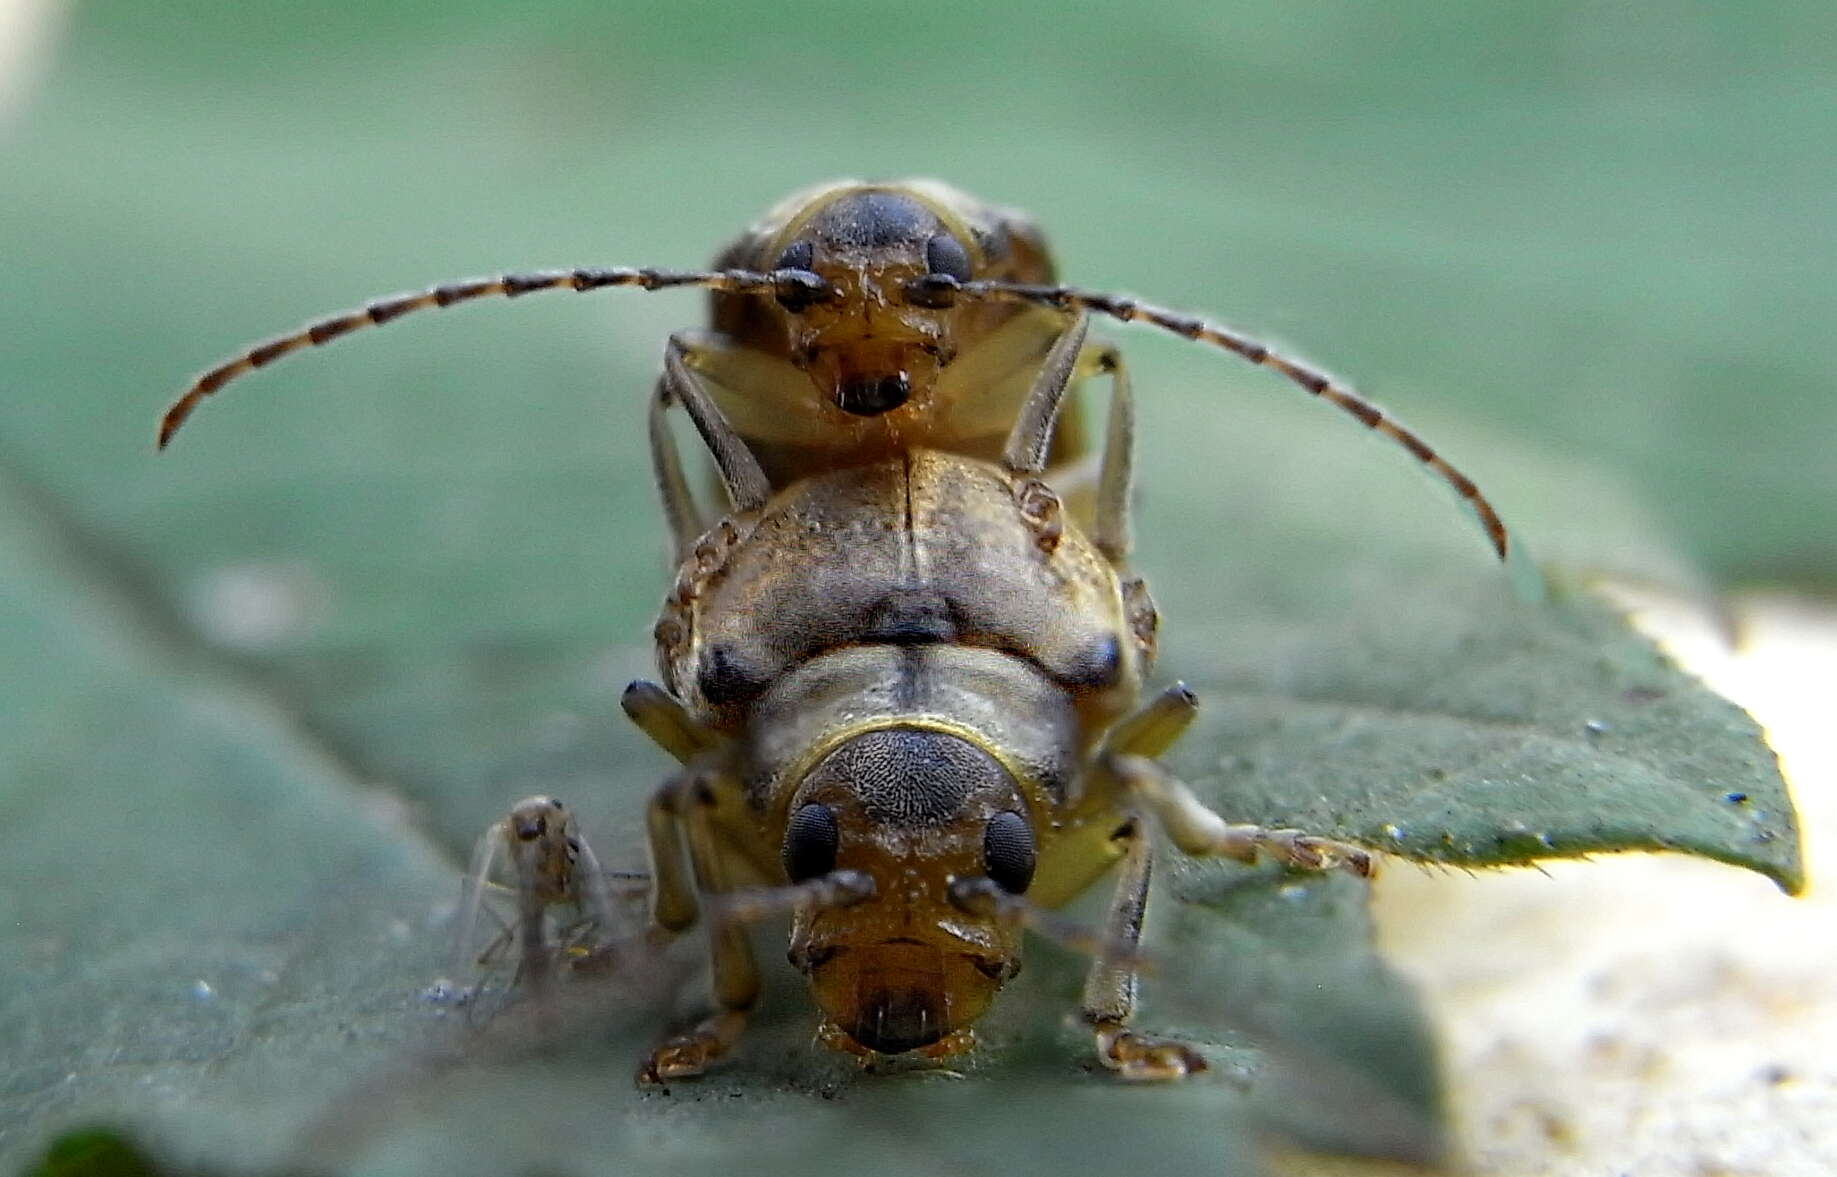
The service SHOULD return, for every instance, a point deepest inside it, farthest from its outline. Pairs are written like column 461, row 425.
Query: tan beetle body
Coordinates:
column 869, row 374
column 902, row 643
column 902, row 657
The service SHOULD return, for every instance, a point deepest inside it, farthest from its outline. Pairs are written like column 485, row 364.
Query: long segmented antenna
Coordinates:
column 941, row 290
column 800, row 283
column 980, row 896
column 840, row 888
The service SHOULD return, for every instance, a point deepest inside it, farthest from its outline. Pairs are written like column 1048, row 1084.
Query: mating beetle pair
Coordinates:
column 903, row 657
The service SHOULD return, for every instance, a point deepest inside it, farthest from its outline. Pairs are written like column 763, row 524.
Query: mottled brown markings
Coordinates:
column 520, row 284
column 213, row 380
column 1364, row 412
column 446, row 296
column 333, row 328
column 1144, row 620
column 390, row 308
column 1416, row 445
column 267, row 353
column 1040, row 507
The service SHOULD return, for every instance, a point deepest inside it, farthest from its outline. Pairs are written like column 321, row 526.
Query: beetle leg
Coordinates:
column 747, row 488
column 673, row 905
column 680, row 511
column 1116, row 475
column 1110, row 987
column 1197, row 830
column 736, row 974
column 1153, row 728
column 660, row 716
column 1095, row 486
column 1030, row 441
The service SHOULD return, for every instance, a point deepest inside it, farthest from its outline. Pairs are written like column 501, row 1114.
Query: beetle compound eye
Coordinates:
column 800, row 256
column 1007, row 852
column 810, row 843
column 944, row 254
column 795, row 286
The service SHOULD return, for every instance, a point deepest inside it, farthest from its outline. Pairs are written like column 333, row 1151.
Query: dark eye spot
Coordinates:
column 799, row 256
column 810, row 843
column 1007, row 852
column 529, row 829
column 797, row 288
column 724, row 677
column 944, row 254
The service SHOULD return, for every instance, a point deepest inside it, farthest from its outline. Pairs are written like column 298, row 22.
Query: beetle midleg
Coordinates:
column 1197, row 830
column 736, row 974
column 1116, row 475
column 1110, row 987
column 1152, row 728
column 747, row 488
column 715, row 860
column 1095, row 486
column 666, row 721
column 680, row 511
column 673, row 904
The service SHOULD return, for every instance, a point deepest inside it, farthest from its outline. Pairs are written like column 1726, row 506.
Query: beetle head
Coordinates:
column 867, row 347
column 916, row 810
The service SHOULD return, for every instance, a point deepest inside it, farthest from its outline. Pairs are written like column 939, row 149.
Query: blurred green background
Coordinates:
column 1600, row 229
column 1584, row 246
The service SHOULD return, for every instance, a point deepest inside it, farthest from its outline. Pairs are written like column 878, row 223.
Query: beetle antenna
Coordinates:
column 800, row 282
column 841, row 888
column 941, row 290
column 982, row 896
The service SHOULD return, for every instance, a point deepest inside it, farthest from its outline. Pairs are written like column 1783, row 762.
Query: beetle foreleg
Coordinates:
column 736, row 974
column 1110, row 987
column 741, row 474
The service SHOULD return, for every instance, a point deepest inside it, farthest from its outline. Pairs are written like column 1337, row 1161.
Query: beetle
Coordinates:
column 906, row 692
column 903, row 657
column 857, row 320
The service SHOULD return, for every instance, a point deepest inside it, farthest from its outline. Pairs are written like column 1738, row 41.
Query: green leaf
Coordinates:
column 1448, row 726
column 263, row 693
